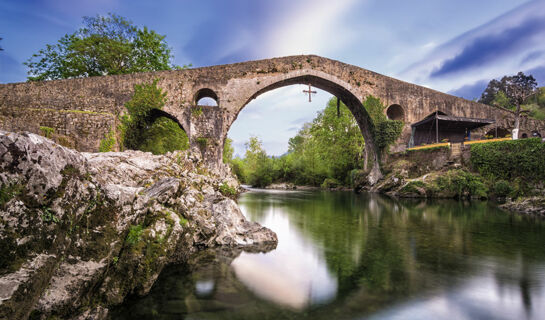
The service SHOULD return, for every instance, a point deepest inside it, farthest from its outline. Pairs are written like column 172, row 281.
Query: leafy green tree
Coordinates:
column 327, row 149
column 518, row 88
column 259, row 166
column 228, row 150
column 105, row 45
column 492, row 89
column 511, row 92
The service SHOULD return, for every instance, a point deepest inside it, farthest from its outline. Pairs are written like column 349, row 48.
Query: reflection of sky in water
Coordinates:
column 477, row 298
column 294, row 275
column 204, row 287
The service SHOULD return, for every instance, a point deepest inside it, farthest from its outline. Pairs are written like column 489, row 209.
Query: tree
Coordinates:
column 518, row 88
column 1, row 49
column 492, row 89
column 258, row 164
column 510, row 92
column 228, row 150
column 105, row 45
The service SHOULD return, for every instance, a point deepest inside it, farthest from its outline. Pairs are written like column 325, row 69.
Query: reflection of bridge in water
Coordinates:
column 342, row 255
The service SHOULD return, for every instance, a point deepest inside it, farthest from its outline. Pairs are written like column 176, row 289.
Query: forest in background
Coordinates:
column 326, row 152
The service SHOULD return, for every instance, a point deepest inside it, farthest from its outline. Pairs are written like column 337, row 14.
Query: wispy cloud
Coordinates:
column 505, row 45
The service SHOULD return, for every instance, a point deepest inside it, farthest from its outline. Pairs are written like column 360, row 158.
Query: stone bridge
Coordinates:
column 83, row 111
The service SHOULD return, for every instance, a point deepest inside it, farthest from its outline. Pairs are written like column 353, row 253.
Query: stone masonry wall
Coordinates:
column 86, row 109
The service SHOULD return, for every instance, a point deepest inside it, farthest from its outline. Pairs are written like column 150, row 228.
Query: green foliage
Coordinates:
column 414, row 187
column 47, row 131
column 134, row 235
column 196, row 111
column 507, row 160
column 163, row 136
column 330, row 183
column 535, row 104
column 140, row 130
column 227, row 191
column 238, row 166
column 8, row 192
column 501, row 100
column 387, row 133
column 49, row 216
column 462, row 183
column 107, row 144
column 228, row 151
column 258, row 171
column 502, row 188
column 202, row 142
column 105, row 45
column 384, row 131
column 330, row 146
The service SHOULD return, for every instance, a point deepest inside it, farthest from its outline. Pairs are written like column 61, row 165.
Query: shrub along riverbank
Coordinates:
column 513, row 170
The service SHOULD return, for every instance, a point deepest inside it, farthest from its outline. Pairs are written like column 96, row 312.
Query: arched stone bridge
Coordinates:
column 83, row 111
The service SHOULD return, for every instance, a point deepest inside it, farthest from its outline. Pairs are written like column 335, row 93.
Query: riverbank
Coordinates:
column 291, row 186
column 511, row 170
column 81, row 231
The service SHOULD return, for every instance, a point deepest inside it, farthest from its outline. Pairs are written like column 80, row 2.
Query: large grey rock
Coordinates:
column 79, row 229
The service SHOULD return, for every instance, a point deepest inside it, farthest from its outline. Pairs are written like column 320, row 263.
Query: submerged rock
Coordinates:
column 81, row 231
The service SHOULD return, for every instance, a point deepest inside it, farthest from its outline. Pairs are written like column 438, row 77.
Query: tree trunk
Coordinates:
column 517, row 116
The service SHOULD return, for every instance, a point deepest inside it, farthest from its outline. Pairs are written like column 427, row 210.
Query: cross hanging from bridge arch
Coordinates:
column 310, row 92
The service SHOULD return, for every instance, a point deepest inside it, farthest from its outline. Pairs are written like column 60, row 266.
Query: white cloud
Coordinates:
column 313, row 27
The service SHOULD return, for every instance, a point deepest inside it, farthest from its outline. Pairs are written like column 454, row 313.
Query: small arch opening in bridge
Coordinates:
column 206, row 97
column 395, row 112
column 160, row 133
column 497, row 133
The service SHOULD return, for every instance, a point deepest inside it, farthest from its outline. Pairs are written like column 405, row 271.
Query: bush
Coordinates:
column 164, row 135
column 330, row 183
column 135, row 234
column 463, row 184
column 415, row 186
column 107, row 144
column 227, row 191
column 47, row 131
column 502, row 188
column 142, row 130
column 507, row 160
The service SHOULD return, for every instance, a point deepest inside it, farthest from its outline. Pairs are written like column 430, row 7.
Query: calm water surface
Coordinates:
column 346, row 256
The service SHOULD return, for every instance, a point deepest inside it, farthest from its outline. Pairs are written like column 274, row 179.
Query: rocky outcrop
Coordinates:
column 534, row 206
column 81, row 231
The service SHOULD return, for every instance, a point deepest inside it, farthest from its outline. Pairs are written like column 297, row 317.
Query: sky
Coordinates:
column 451, row 46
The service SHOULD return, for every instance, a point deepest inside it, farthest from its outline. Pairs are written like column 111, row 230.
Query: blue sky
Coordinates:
column 450, row 46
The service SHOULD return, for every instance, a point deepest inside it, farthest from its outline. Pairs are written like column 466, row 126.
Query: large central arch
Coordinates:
column 327, row 83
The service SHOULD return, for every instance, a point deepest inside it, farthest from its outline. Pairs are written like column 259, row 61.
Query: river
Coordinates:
column 362, row 256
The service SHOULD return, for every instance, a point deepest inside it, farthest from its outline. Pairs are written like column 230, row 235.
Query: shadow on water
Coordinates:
column 347, row 256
